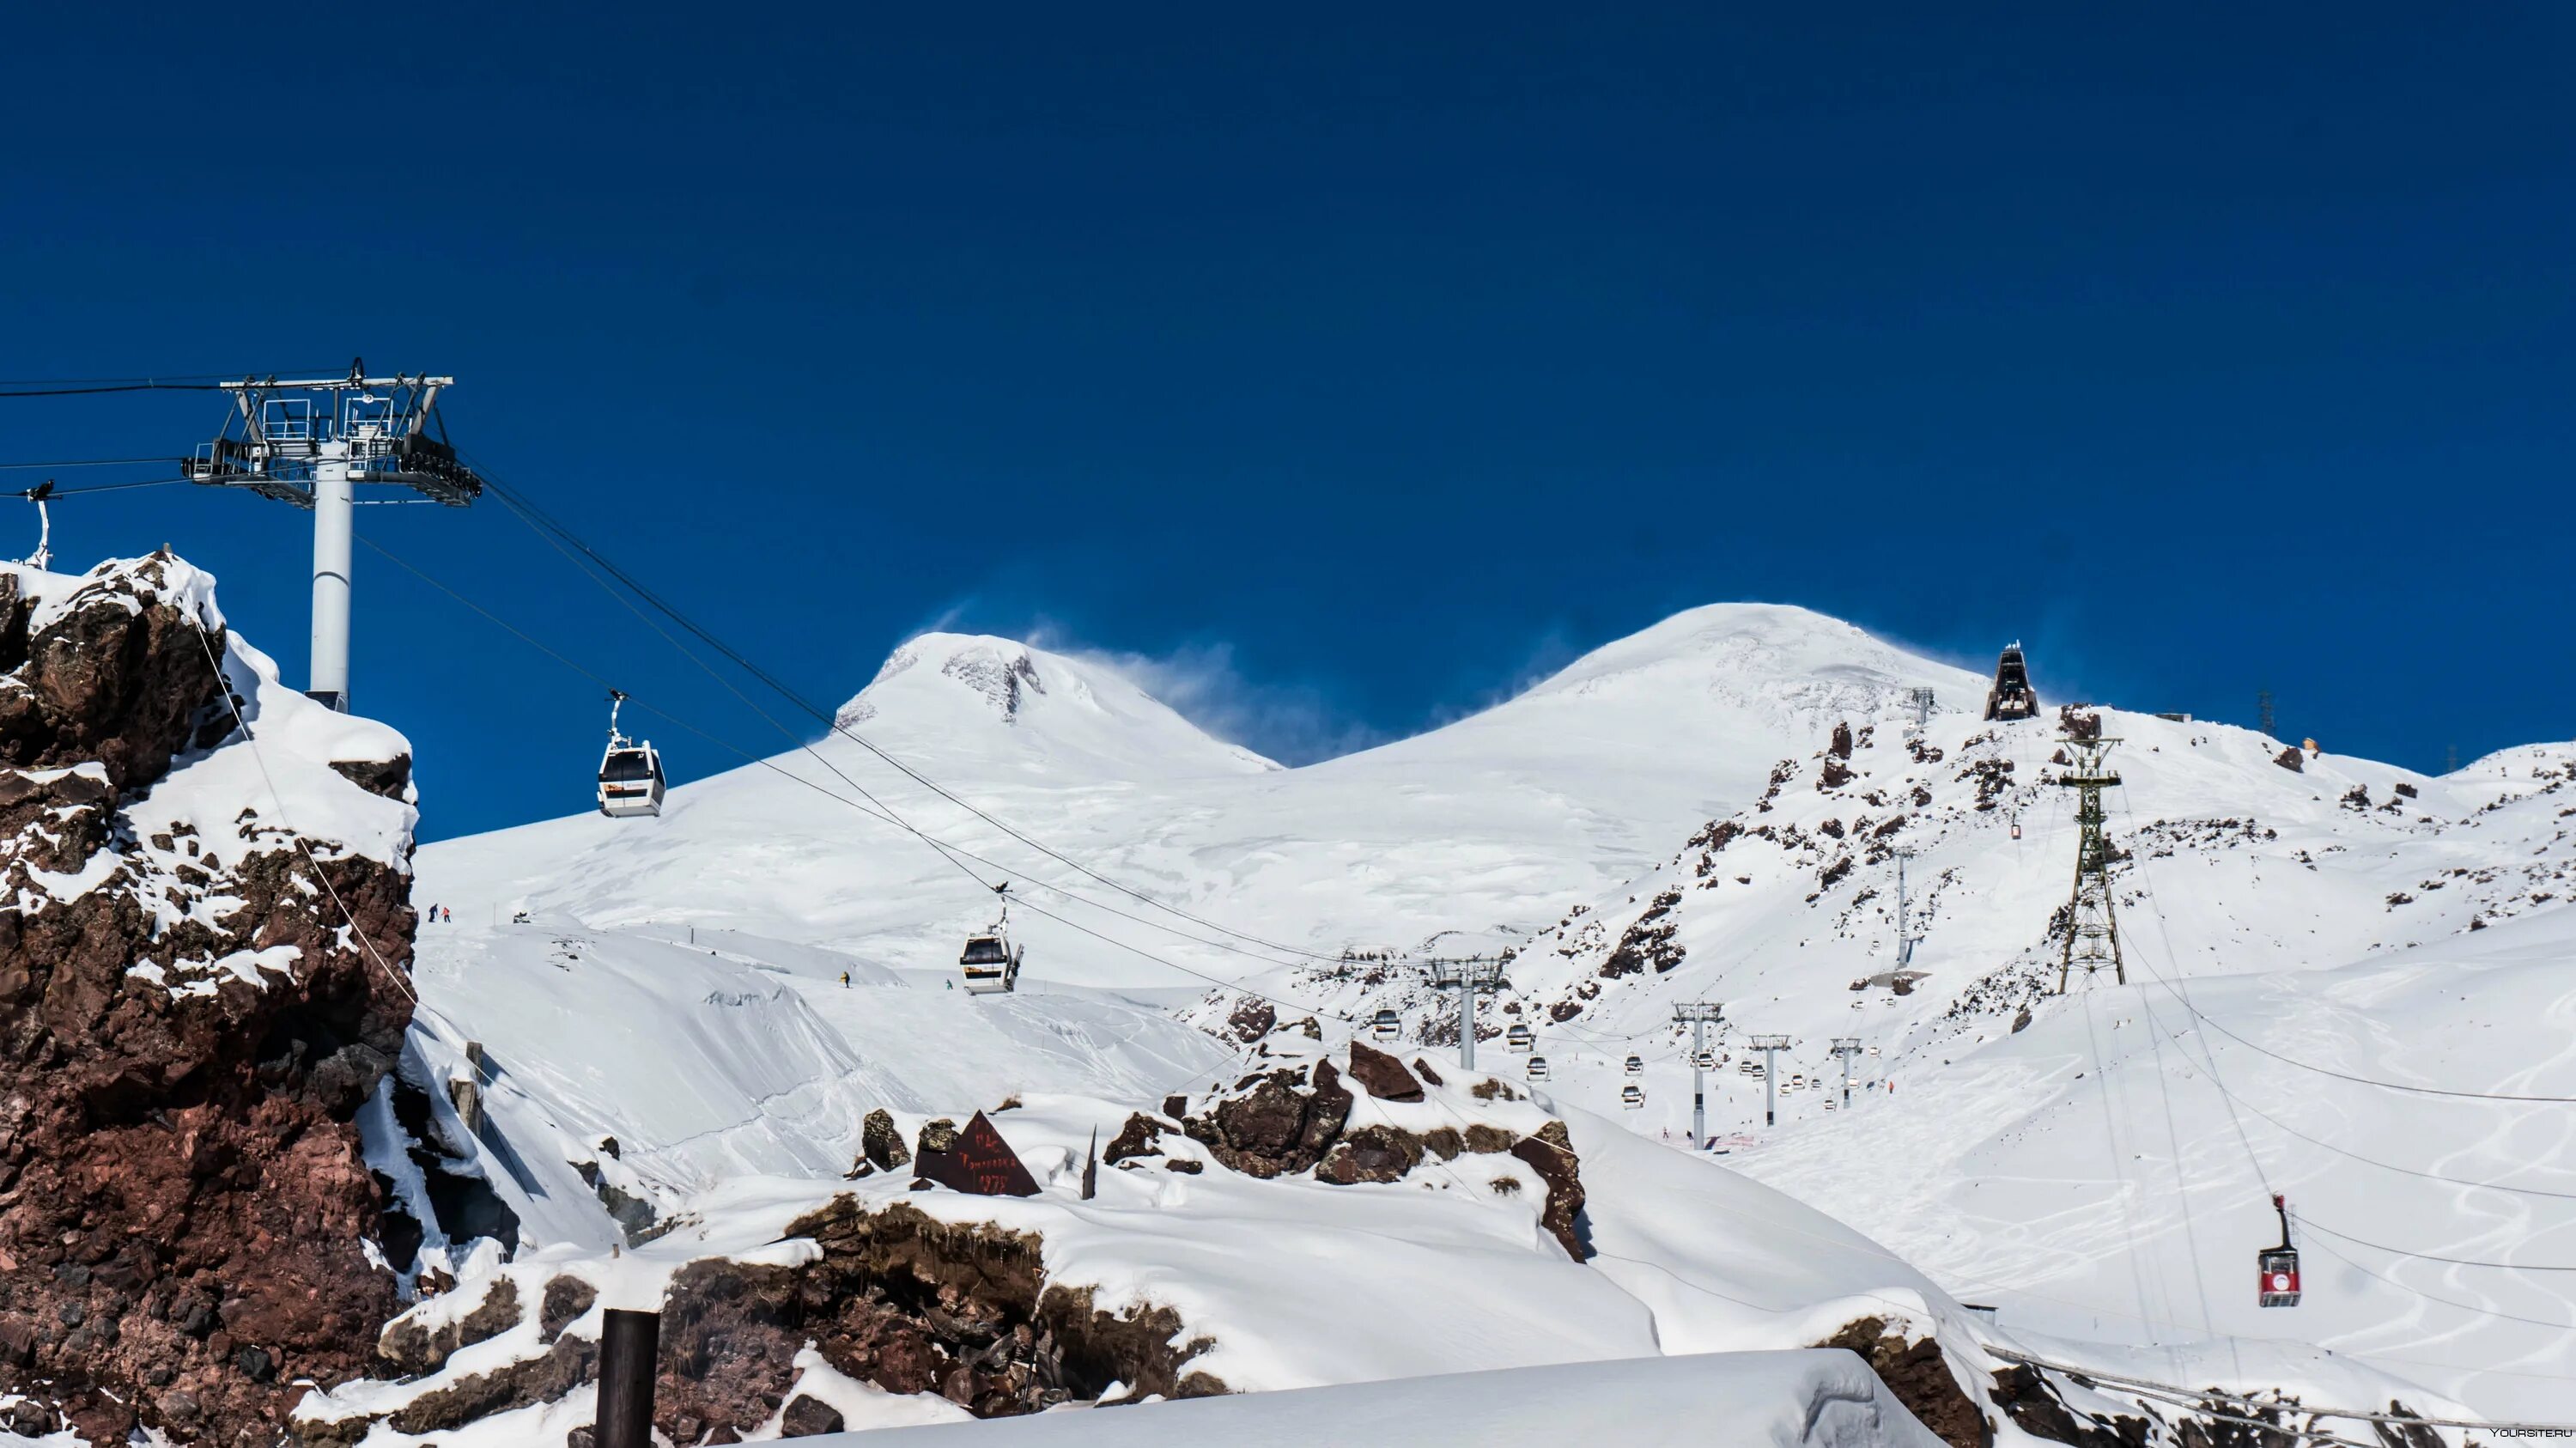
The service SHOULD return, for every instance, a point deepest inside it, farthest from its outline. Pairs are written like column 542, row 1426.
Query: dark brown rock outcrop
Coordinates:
column 187, row 1207
column 1383, row 1075
column 1917, row 1376
column 1280, row 1126
column 1550, row 1153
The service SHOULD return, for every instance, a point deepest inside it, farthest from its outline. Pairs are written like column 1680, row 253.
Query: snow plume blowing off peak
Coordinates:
column 980, row 693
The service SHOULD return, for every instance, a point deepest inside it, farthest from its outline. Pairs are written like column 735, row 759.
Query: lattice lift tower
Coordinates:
column 310, row 443
column 2092, row 927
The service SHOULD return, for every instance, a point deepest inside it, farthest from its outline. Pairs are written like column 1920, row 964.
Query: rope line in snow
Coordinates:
column 366, row 945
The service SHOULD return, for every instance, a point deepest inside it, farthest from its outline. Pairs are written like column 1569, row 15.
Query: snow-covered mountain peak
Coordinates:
column 996, row 670
column 952, row 690
column 1779, row 651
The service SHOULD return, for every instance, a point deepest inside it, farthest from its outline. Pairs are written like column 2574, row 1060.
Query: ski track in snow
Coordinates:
column 2084, row 1174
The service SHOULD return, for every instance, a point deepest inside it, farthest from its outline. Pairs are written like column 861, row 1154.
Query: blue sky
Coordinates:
column 1359, row 363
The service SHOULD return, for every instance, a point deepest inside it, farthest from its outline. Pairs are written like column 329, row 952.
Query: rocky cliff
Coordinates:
column 203, row 939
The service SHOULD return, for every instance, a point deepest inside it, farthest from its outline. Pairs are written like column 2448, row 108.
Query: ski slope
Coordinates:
column 2078, row 1165
column 1480, row 831
column 1665, row 822
column 1806, row 1399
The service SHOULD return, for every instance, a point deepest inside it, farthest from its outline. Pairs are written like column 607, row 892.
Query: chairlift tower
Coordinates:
column 1767, row 1045
column 1921, row 699
column 2092, row 927
column 1699, row 1016
column 1846, row 1047
column 310, row 443
column 1904, row 929
column 1469, row 976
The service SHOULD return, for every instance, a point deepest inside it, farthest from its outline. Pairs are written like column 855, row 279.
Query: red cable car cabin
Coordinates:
column 2279, row 1266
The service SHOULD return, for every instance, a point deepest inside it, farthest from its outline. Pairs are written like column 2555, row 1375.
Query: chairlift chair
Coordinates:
column 630, row 772
column 1519, row 1038
column 1537, row 1068
column 1385, row 1025
column 1632, row 1096
column 2279, row 1266
column 1635, row 1065
column 990, row 961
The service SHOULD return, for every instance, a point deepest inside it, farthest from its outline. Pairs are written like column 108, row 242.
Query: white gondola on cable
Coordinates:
column 630, row 772
column 2279, row 1266
column 43, row 557
column 1519, row 1038
column 1537, row 1069
column 1635, row 1065
column 1705, row 1060
column 1632, row 1096
column 1385, row 1025
column 991, row 962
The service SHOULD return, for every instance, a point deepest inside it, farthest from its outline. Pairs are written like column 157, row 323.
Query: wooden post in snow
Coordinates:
column 629, row 1343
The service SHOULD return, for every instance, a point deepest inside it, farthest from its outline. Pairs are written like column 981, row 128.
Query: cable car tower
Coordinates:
column 310, row 443
column 1699, row 1016
column 2092, row 928
column 43, row 557
column 1469, row 976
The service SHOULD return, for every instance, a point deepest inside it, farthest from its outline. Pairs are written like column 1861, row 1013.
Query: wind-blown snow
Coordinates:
column 2081, row 1172
column 1478, row 831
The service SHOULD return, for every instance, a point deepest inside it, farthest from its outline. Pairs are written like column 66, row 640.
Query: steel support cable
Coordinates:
column 2185, row 1001
column 2357, row 1415
column 537, row 519
column 1868, row 1248
column 887, row 811
column 87, row 463
column 144, row 386
column 265, row 374
column 2316, row 1226
column 59, row 493
column 2203, row 1017
column 2230, row 1097
column 2449, row 1302
column 946, row 850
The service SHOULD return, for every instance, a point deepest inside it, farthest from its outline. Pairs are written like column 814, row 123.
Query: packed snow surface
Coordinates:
column 1811, row 1399
column 1475, row 832
column 1663, row 822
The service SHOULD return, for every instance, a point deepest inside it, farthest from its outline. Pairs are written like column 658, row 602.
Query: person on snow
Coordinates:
column 432, row 917
column 845, row 980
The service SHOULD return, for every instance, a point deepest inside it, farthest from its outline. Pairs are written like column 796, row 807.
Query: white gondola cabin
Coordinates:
column 1537, row 1068
column 1385, row 1025
column 1519, row 1038
column 1635, row 1065
column 630, row 771
column 1705, row 1060
column 990, row 962
column 1632, row 1096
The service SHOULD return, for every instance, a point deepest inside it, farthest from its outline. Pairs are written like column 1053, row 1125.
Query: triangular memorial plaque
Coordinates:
column 981, row 1163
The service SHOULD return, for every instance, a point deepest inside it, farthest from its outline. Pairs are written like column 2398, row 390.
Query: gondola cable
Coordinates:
column 539, row 521
column 947, row 851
